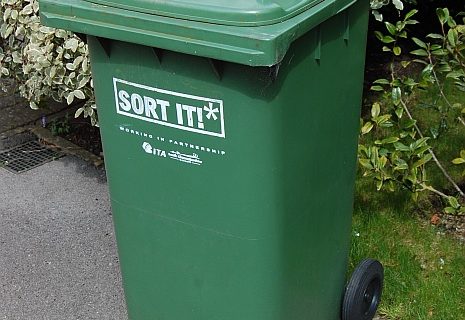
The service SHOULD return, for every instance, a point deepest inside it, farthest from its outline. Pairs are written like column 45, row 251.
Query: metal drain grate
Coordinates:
column 27, row 156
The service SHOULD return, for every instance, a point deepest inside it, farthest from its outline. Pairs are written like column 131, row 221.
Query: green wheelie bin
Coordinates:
column 230, row 133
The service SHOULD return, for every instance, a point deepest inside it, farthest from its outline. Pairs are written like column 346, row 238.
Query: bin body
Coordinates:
column 232, row 185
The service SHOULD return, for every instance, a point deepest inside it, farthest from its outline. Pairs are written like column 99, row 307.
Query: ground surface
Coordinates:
column 58, row 257
column 451, row 224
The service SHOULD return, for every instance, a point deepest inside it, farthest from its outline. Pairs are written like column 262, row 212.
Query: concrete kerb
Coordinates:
column 66, row 146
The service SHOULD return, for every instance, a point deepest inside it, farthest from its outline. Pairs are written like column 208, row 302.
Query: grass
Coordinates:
column 424, row 267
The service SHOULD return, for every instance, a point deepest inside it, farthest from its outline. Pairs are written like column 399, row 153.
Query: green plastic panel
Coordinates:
column 228, row 12
column 254, row 46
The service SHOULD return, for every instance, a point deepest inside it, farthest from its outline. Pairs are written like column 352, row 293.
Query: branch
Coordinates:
column 429, row 188
column 430, row 150
column 436, row 79
column 441, row 91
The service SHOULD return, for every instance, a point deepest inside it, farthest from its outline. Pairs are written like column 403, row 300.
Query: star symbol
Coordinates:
column 211, row 112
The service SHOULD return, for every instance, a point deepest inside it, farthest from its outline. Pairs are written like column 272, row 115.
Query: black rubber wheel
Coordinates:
column 363, row 292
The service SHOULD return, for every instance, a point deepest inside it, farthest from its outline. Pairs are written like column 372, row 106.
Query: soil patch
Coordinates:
column 451, row 224
column 79, row 131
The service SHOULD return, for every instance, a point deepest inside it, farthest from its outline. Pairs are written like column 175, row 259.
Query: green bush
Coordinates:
column 44, row 62
column 400, row 139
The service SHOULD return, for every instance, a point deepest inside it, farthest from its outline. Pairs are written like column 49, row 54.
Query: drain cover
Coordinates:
column 27, row 156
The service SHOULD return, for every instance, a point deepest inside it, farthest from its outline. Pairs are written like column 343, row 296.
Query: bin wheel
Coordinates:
column 363, row 292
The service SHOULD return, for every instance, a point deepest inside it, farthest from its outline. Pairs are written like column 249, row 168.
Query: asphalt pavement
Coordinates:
column 58, row 257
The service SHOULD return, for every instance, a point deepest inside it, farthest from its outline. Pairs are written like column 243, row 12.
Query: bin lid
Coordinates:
column 225, row 12
column 250, row 32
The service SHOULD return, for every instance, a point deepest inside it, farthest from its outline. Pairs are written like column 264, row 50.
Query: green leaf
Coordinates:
column 439, row 52
column 378, row 16
column 374, row 154
column 453, row 202
column 453, row 37
column 70, row 66
column 384, row 152
column 400, row 25
column 435, row 36
column 451, row 22
column 366, row 164
column 462, row 154
column 389, row 140
column 412, row 22
column 399, row 112
column 458, row 161
column 391, row 28
column 411, row 13
column 405, row 64
column 33, row 105
column 79, row 94
column 377, row 88
column 367, row 127
column 78, row 112
column 71, row 44
column 427, row 70
column 455, row 75
column 420, row 43
column 401, row 147
column 396, row 95
column 410, row 82
column 420, row 52
column 422, row 150
column 434, row 132
column 400, row 165
column 386, row 49
column 422, row 161
column 449, row 210
column 388, row 39
column 385, row 124
column 419, row 61
column 398, row 4
column 419, row 143
column 403, row 34
column 397, row 51
column 379, row 35
column 375, row 110
column 382, row 162
column 382, row 81
column 390, row 186
column 70, row 98
column 383, row 120
column 443, row 15
column 444, row 67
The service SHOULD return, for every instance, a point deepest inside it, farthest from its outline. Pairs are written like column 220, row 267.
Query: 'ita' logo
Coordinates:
column 168, row 108
column 174, row 155
column 151, row 150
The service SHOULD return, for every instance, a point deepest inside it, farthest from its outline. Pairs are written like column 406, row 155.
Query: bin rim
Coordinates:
column 253, row 46
column 222, row 12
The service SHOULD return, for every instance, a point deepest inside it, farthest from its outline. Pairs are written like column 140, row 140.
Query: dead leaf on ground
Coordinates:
column 435, row 219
